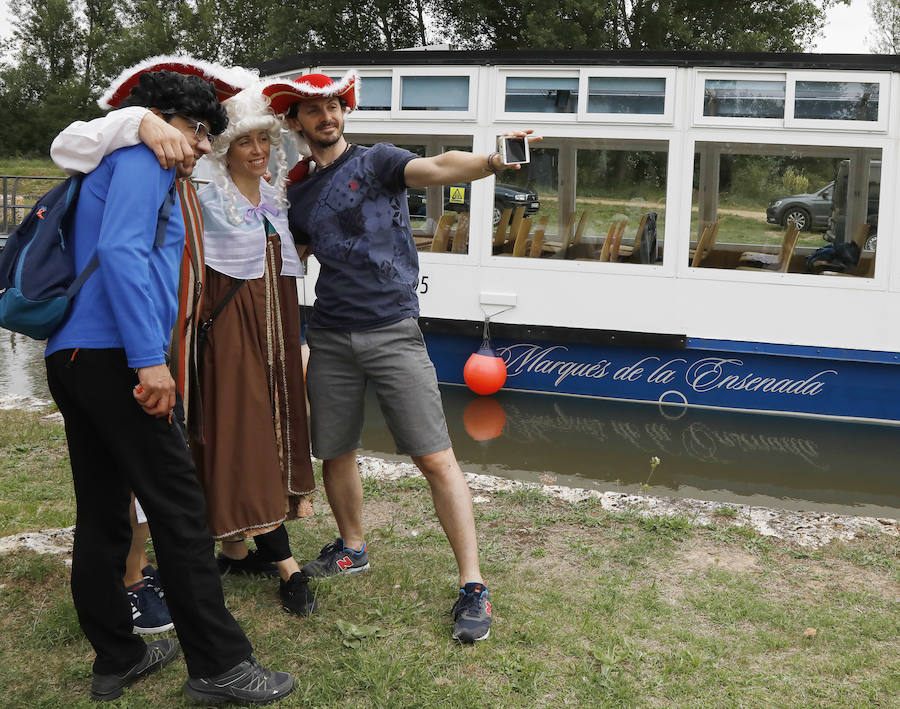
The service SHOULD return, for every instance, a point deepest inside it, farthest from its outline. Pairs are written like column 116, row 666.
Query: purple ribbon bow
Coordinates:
column 259, row 212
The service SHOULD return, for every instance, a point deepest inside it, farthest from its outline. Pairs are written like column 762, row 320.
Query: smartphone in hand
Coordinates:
column 514, row 151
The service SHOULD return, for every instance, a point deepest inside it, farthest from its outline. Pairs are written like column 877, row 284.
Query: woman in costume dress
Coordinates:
column 253, row 458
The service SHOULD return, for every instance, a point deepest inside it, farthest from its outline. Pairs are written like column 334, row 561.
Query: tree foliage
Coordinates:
column 64, row 52
column 886, row 14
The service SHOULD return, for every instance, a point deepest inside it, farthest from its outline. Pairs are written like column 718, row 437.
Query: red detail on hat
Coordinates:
column 41, row 212
column 354, row 185
column 283, row 94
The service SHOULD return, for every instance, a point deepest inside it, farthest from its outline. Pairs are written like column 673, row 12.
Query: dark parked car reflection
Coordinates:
column 456, row 199
column 809, row 211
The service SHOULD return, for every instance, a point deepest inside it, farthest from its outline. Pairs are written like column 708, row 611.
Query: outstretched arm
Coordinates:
column 81, row 146
column 457, row 166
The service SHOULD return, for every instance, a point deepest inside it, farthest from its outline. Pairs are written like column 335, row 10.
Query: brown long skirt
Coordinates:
column 254, row 458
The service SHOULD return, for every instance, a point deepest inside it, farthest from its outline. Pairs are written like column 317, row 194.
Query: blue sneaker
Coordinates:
column 335, row 559
column 472, row 614
column 149, row 614
column 151, row 578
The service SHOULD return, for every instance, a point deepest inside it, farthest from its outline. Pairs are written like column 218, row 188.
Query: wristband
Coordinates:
column 490, row 165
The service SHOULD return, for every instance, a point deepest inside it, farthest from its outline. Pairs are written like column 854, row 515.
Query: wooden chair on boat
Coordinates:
column 626, row 251
column 521, row 242
column 460, row 244
column 537, row 241
column 579, row 232
column 705, row 243
column 501, row 232
column 780, row 262
column 566, row 233
column 612, row 241
column 516, row 223
column 442, row 233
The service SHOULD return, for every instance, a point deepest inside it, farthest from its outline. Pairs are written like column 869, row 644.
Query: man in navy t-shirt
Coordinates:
column 351, row 212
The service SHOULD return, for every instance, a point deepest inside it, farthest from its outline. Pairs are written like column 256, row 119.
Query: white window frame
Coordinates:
column 667, row 117
column 397, row 111
column 660, row 270
column 685, row 270
column 702, row 75
column 500, row 112
column 882, row 79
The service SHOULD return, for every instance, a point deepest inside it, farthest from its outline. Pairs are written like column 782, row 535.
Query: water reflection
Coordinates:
column 767, row 460
column 22, row 366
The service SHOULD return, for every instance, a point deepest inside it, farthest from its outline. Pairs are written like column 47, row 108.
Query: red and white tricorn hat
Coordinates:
column 283, row 94
column 227, row 81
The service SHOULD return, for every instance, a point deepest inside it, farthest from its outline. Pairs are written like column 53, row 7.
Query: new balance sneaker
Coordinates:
column 336, row 559
column 251, row 565
column 245, row 683
column 472, row 614
column 296, row 596
column 151, row 578
column 105, row 688
column 149, row 614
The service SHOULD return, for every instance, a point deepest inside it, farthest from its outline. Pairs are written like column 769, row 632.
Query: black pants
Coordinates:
column 115, row 448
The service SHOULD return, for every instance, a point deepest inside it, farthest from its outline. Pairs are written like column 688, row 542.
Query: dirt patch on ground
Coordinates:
column 702, row 556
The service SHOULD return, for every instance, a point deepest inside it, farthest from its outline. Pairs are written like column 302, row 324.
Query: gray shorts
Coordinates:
column 395, row 361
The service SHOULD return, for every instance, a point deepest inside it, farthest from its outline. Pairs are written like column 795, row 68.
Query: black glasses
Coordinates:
column 201, row 130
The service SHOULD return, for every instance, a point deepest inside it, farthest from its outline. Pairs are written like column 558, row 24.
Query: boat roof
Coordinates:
column 557, row 57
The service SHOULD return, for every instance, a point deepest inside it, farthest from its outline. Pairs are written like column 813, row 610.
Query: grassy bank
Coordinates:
column 592, row 609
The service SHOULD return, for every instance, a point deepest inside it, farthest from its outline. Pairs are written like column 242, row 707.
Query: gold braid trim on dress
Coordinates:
column 275, row 331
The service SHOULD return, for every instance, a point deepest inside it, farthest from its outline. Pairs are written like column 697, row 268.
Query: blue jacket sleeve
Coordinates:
column 137, row 188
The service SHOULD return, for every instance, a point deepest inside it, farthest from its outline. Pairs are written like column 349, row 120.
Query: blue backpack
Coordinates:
column 37, row 269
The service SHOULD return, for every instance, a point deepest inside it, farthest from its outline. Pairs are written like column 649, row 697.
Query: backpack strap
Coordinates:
column 162, row 223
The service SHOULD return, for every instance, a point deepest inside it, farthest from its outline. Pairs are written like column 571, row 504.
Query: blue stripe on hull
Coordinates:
column 732, row 376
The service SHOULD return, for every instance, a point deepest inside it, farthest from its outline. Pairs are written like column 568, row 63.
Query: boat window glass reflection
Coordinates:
column 785, row 208
column 626, row 94
column 836, row 100
column 584, row 199
column 541, row 94
column 434, row 93
column 743, row 98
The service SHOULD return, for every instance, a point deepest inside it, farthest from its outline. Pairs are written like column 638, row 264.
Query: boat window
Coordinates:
column 743, row 98
column 377, row 96
column 626, row 94
column 439, row 216
column 434, row 93
column 836, row 100
column 785, row 208
column 541, row 94
column 584, row 199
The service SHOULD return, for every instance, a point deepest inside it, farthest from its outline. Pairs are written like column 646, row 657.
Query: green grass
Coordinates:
column 37, row 167
column 591, row 608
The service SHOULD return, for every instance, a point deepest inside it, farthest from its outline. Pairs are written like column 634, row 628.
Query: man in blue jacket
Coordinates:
column 107, row 373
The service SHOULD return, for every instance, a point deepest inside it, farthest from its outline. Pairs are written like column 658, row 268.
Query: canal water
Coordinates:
column 774, row 461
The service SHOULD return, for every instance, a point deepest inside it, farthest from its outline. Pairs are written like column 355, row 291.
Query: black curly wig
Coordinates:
column 184, row 94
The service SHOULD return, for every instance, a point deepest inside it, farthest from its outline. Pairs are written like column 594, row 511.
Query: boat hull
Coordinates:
column 699, row 373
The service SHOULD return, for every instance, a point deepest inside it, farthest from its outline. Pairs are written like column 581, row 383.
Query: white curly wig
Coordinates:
column 248, row 111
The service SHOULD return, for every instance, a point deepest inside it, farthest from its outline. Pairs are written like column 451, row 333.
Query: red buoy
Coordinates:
column 484, row 418
column 485, row 370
